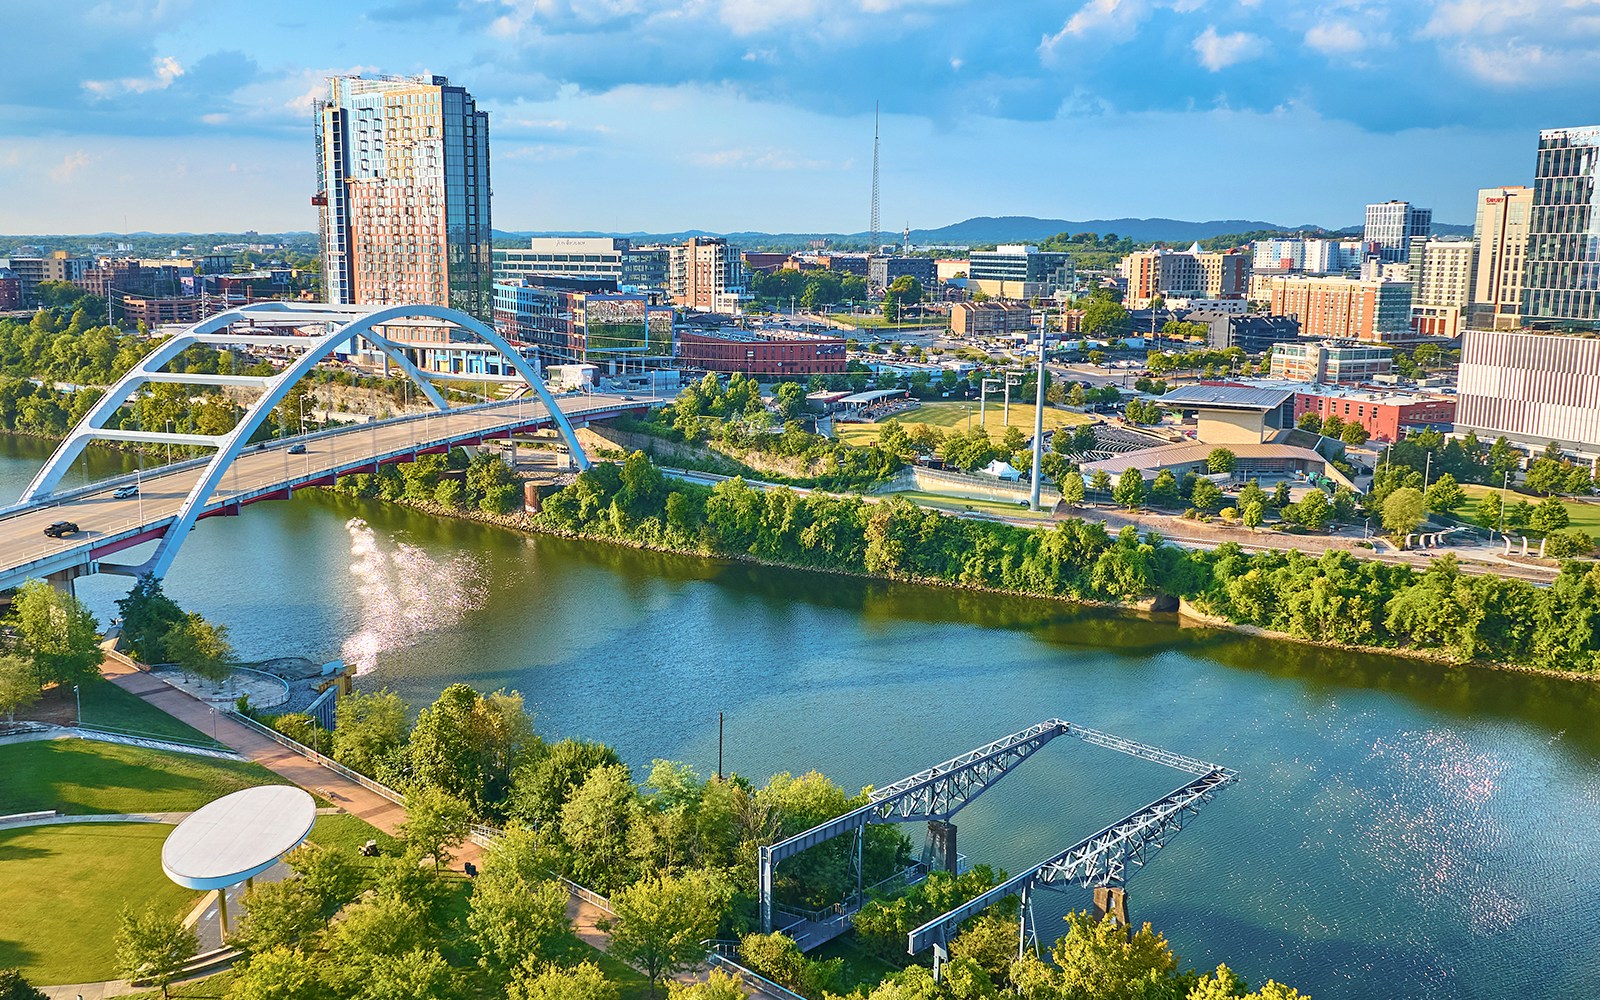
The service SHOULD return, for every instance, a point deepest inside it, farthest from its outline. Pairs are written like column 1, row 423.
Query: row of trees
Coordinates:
column 1074, row 559
column 809, row 289
column 454, row 481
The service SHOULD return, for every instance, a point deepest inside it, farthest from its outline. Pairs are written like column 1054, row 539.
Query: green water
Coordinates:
column 1399, row 829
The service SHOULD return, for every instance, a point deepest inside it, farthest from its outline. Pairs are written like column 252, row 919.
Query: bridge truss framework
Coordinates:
column 936, row 794
column 340, row 324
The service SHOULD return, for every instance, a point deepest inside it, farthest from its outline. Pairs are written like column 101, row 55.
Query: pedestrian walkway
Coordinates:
column 335, row 788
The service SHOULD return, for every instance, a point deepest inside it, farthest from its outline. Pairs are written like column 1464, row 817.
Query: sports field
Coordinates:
column 958, row 416
column 1585, row 516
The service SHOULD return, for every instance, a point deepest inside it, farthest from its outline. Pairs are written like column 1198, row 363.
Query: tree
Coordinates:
column 1130, row 489
column 1549, row 515
column 540, row 789
column 595, row 825
column 1206, row 494
column 1310, row 421
column 19, row 684
column 369, row 730
column 1105, row 319
column 1404, row 510
column 1164, row 491
column 1332, row 426
column 199, row 648
column 148, row 614
column 1280, row 495
column 660, row 921
column 1072, row 490
column 1354, row 435
column 278, row 914
column 1221, row 460
column 279, row 974
column 1098, row 960
column 1444, row 495
column 1546, row 475
column 902, row 291
column 1100, row 481
column 1313, row 510
column 436, row 822
column 516, row 915
column 718, row 985
column 327, row 874
column 1489, row 512
column 14, row 987
column 419, row 974
column 57, row 632
column 153, row 947
column 538, row 980
column 1251, row 514
column 469, row 744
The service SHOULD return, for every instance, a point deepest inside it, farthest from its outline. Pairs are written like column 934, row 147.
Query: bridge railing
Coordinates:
column 716, row 959
column 319, row 759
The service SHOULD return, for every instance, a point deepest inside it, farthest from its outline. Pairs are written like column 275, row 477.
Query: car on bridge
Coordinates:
column 124, row 492
column 297, row 449
column 61, row 529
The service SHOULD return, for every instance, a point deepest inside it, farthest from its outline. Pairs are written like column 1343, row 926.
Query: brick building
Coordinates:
column 1345, row 308
column 1383, row 414
column 773, row 353
column 989, row 319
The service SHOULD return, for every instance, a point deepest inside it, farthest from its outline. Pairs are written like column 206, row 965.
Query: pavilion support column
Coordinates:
column 222, row 913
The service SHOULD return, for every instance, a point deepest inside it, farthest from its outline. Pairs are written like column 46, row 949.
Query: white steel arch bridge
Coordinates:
column 169, row 501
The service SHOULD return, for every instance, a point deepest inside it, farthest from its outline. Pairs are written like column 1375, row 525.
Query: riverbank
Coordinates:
column 1157, row 604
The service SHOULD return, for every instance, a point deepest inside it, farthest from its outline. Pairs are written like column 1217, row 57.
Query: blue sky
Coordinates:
column 757, row 114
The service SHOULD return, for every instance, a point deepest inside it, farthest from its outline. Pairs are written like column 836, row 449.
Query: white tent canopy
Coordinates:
column 1002, row 470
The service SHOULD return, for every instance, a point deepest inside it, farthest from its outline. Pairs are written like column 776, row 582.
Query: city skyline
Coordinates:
column 631, row 115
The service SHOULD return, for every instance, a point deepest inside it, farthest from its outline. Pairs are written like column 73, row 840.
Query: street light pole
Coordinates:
column 1504, row 484
column 77, row 697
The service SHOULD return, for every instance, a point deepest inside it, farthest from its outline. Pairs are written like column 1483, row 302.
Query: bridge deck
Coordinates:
column 108, row 524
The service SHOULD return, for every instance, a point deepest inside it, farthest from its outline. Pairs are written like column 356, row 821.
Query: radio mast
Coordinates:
column 872, row 233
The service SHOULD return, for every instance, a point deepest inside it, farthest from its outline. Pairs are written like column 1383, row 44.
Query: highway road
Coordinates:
column 105, row 521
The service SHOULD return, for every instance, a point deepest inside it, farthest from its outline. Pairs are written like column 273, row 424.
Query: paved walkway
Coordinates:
column 335, row 788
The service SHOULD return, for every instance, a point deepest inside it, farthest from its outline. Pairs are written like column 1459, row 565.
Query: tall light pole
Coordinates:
column 1504, row 484
column 77, row 697
column 1038, row 421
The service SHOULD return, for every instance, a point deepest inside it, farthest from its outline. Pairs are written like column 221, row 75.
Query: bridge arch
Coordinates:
column 344, row 322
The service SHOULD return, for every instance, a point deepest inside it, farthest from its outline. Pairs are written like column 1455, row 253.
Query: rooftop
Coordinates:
column 1228, row 397
column 237, row 836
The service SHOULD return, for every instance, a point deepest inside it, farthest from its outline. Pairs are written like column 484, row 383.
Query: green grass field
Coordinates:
column 82, row 776
column 958, row 416
column 62, row 889
column 110, row 707
column 1585, row 516
column 875, row 321
column 958, row 505
column 342, row 831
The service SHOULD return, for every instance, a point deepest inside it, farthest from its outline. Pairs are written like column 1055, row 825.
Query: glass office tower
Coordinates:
column 1561, row 286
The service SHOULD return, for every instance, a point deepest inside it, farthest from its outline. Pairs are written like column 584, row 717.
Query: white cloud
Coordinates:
column 166, row 71
column 1118, row 19
column 756, row 159
column 1336, row 38
column 1510, row 64
column 69, row 166
column 1218, row 52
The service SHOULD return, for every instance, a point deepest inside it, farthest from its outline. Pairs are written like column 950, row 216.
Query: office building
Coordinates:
column 1393, row 225
column 1185, row 274
column 403, row 193
column 1330, row 361
column 771, row 353
column 757, row 262
column 990, row 319
column 1019, row 271
column 706, row 275
column 154, row 312
column 1345, row 308
column 1383, row 414
column 607, row 258
column 28, row 271
column 62, row 266
column 1501, row 234
column 1443, row 274
column 584, row 321
column 1531, row 387
column 1561, row 285
column 10, row 290
column 883, row 270
column 1251, row 334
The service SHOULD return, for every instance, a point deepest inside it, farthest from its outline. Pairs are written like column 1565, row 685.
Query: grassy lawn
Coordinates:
column 109, row 707
column 341, row 831
column 81, row 776
column 1585, row 516
column 875, row 321
column 999, row 508
column 210, row 988
column 62, row 889
column 948, row 416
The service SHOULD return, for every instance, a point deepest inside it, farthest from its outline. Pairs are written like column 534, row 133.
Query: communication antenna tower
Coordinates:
column 872, row 233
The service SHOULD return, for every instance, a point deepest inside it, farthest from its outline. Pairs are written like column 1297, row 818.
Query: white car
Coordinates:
column 124, row 492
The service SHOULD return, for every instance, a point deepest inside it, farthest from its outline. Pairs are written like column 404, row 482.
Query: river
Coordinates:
column 1399, row 829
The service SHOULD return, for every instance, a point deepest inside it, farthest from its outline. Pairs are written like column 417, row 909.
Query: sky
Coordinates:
column 729, row 115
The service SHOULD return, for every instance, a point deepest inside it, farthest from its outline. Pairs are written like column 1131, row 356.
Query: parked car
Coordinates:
column 61, row 529
column 124, row 492
column 297, row 449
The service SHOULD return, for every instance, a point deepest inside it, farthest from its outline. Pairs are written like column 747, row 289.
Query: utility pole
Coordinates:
column 1038, row 420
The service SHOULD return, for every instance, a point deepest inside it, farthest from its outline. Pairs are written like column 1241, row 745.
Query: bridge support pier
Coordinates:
column 1111, row 902
column 62, row 580
column 942, row 846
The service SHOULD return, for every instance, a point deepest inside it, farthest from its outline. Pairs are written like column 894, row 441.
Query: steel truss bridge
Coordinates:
column 171, row 499
column 1101, row 861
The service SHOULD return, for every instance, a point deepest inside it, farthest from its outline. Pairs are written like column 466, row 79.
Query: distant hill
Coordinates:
column 1001, row 229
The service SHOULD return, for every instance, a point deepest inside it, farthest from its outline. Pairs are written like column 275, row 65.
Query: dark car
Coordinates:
column 297, row 449
column 61, row 529
column 124, row 492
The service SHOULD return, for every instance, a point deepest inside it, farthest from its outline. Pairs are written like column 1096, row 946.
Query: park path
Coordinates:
column 335, row 788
